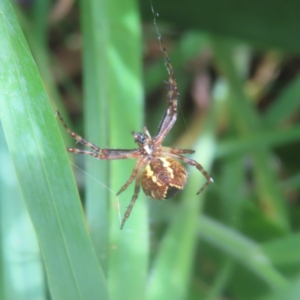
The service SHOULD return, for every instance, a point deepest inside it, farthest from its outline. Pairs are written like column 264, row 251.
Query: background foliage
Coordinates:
column 99, row 63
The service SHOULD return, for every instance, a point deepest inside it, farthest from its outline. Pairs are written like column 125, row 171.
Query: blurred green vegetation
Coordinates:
column 99, row 62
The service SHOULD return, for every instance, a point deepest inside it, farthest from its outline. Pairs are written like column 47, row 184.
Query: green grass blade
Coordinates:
column 292, row 182
column 43, row 171
column 221, row 281
column 96, row 123
column 229, row 187
column 258, row 140
column 241, row 249
column 246, row 121
column 283, row 251
column 23, row 276
column 289, row 292
column 285, row 105
column 172, row 266
column 36, row 39
column 113, row 108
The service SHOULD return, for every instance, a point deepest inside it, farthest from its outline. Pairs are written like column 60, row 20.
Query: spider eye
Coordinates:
column 139, row 138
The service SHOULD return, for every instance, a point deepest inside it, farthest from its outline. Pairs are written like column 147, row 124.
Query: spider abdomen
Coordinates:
column 163, row 178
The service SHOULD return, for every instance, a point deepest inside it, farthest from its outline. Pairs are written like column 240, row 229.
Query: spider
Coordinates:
column 157, row 168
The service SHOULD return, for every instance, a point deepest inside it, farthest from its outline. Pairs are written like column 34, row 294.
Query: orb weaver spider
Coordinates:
column 157, row 169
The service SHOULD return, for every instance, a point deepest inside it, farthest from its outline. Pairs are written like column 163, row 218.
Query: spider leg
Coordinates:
column 198, row 166
column 132, row 202
column 77, row 137
column 108, row 154
column 170, row 115
column 177, row 151
column 129, row 181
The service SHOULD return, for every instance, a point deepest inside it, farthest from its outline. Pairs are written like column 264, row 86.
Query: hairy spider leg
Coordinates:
column 177, row 151
column 170, row 115
column 198, row 166
column 112, row 154
column 134, row 197
column 100, row 153
column 108, row 154
column 129, row 181
column 136, row 174
column 77, row 137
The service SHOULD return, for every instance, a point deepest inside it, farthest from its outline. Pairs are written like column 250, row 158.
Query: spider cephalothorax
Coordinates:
column 157, row 168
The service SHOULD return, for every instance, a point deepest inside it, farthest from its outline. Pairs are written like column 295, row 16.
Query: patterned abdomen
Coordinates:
column 163, row 178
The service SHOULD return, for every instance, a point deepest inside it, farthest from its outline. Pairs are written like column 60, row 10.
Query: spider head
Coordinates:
column 140, row 138
column 143, row 140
